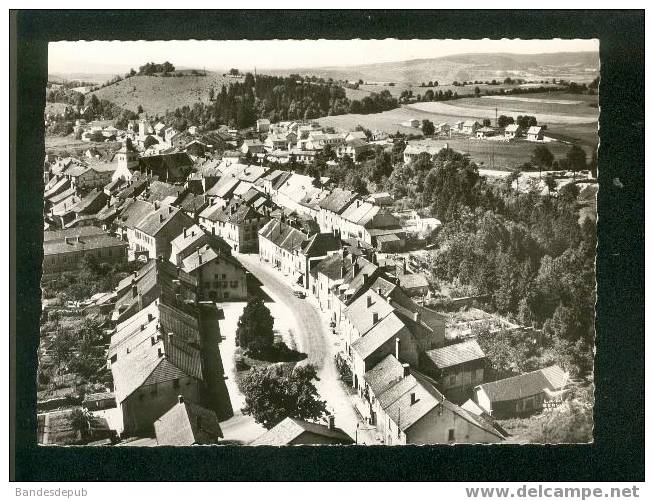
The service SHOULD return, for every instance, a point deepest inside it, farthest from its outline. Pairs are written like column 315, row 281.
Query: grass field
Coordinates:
column 68, row 145
column 160, row 94
column 397, row 89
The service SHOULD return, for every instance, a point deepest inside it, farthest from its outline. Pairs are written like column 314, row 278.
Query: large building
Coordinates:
column 154, row 357
column 65, row 250
column 152, row 234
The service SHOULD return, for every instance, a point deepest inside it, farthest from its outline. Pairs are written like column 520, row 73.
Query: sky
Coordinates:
column 120, row 56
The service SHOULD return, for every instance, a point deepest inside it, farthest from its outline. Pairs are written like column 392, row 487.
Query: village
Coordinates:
column 187, row 271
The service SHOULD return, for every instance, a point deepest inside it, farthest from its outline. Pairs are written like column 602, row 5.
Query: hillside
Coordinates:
column 158, row 94
column 579, row 66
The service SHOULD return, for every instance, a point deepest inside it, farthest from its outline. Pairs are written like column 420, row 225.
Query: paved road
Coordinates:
column 313, row 338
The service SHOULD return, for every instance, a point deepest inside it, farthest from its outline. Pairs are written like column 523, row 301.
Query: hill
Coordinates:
column 160, row 94
column 578, row 66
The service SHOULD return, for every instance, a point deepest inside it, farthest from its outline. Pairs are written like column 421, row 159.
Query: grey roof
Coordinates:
column 154, row 222
column 338, row 200
column 386, row 329
column 102, row 240
column 290, row 429
column 187, row 423
column 384, row 375
column 147, row 354
column 525, row 385
column 456, row 354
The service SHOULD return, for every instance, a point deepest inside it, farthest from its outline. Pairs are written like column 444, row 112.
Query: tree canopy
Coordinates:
column 276, row 392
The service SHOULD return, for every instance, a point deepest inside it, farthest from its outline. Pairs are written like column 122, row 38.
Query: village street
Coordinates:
column 313, row 337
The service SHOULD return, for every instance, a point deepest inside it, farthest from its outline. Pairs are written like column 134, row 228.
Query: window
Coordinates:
column 234, row 284
column 224, row 276
column 450, row 435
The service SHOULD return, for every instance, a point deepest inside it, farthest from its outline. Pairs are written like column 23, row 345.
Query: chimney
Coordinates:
column 180, row 399
column 406, row 370
column 156, row 204
column 331, row 422
column 161, row 218
column 413, row 398
column 200, row 258
column 416, row 316
column 368, row 301
column 365, row 278
column 184, row 230
column 159, row 352
column 170, row 209
column 150, row 317
column 397, row 348
column 375, row 317
column 135, row 291
column 342, row 271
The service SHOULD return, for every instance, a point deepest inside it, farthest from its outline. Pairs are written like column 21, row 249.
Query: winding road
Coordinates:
column 312, row 337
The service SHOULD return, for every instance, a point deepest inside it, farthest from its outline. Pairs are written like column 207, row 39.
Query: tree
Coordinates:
column 550, row 182
column 150, row 141
column 513, row 177
column 80, row 421
column 139, row 109
column 254, row 330
column 477, row 91
column 234, row 71
column 354, row 182
column 542, row 156
column 212, row 94
column 503, row 121
column 428, row 128
column 132, row 72
column 486, row 122
column 577, row 158
column 276, row 392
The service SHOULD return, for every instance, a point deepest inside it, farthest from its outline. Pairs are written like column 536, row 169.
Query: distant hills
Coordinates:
column 579, row 66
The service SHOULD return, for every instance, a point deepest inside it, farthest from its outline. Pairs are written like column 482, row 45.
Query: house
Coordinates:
column 406, row 408
column 331, row 208
column 414, row 284
column 535, row 133
column 443, row 128
column 327, row 274
column 263, row 124
column 512, row 131
column 360, row 218
column 382, row 198
column 165, row 193
column 190, row 240
column 157, row 279
column 485, row 132
column 152, row 234
column 293, row 431
column 154, row 357
column 65, row 250
column 293, row 251
column 414, row 123
column 521, row 395
column 238, row 224
column 457, row 368
column 186, row 424
column 470, row 127
column 280, row 141
column 252, row 146
column 414, row 150
column 356, row 134
column 382, row 319
column 353, row 148
column 99, row 401
column 219, row 275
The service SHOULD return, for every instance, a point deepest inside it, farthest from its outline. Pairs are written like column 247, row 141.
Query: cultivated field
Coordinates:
column 387, row 121
column 480, row 108
column 500, row 155
column 160, row 94
column 69, row 146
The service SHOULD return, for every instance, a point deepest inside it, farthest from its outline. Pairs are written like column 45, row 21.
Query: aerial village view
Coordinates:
column 400, row 252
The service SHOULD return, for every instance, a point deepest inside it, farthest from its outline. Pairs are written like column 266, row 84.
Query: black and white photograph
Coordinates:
column 376, row 242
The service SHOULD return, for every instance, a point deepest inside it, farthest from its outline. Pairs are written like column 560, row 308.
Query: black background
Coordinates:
column 618, row 452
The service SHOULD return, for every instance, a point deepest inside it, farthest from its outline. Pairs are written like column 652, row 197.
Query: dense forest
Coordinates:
column 240, row 104
column 528, row 251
